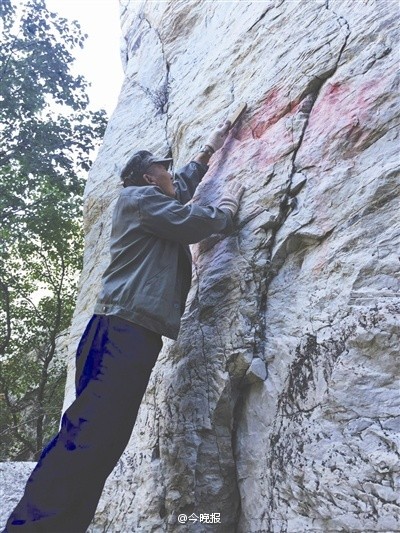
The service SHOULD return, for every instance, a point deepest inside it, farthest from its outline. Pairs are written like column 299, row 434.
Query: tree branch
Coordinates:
column 15, row 425
column 5, row 290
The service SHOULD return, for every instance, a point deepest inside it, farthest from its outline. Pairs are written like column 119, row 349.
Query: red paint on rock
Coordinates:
column 345, row 114
column 274, row 106
column 259, row 142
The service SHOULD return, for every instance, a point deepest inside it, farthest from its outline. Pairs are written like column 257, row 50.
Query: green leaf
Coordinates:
column 44, row 156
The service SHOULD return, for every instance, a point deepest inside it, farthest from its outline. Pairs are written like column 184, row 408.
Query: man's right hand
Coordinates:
column 231, row 197
column 218, row 137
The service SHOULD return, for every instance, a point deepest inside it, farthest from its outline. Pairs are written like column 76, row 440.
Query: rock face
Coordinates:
column 307, row 283
column 13, row 478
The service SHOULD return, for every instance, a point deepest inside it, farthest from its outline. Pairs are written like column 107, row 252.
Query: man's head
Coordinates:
column 143, row 168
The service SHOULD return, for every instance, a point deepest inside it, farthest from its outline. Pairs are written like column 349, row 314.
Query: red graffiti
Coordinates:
column 343, row 115
column 260, row 140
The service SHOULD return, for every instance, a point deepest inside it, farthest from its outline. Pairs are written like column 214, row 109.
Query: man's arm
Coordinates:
column 187, row 178
column 203, row 158
column 167, row 218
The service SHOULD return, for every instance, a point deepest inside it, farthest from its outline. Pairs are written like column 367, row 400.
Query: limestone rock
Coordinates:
column 308, row 282
column 13, row 478
column 256, row 372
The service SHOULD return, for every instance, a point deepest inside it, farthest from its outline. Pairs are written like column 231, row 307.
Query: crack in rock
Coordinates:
column 160, row 96
column 276, row 260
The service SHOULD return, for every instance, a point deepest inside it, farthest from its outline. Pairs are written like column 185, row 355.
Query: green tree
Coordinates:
column 47, row 138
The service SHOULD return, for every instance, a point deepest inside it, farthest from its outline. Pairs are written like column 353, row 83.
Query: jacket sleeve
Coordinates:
column 186, row 180
column 167, row 218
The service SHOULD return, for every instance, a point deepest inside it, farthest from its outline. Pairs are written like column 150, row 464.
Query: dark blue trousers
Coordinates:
column 113, row 366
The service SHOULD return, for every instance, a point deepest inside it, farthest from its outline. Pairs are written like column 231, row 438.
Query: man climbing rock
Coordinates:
column 143, row 297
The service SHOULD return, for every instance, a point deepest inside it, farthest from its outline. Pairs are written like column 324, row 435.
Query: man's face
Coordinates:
column 158, row 175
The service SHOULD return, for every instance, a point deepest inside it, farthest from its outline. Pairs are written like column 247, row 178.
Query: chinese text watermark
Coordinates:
column 205, row 518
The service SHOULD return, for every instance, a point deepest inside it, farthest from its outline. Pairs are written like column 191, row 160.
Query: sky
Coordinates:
column 99, row 61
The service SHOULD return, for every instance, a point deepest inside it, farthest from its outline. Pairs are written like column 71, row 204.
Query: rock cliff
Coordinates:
column 307, row 285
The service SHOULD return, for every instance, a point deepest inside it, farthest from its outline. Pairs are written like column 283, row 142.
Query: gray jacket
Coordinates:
column 149, row 275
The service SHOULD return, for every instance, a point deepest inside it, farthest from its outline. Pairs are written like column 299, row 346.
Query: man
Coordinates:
column 143, row 297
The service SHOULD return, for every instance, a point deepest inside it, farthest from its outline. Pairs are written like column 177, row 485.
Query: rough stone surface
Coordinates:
column 13, row 478
column 308, row 282
column 257, row 371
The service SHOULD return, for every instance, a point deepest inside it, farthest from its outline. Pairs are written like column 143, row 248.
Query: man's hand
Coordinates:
column 231, row 197
column 214, row 142
column 218, row 136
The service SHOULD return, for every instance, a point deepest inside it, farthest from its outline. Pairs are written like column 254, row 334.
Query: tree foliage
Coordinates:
column 47, row 138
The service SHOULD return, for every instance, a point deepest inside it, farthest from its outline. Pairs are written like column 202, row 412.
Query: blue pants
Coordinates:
column 113, row 366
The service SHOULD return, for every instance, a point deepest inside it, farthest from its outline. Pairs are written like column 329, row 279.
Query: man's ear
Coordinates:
column 148, row 179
